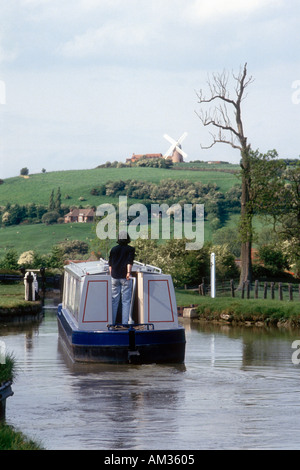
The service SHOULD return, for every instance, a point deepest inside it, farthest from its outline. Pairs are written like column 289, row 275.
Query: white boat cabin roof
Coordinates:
column 101, row 266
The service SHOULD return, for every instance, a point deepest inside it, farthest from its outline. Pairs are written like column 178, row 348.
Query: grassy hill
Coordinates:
column 78, row 184
column 41, row 237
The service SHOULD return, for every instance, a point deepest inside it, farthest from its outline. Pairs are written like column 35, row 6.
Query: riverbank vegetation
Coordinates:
column 10, row 439
column 12, row 298
column 14, row 307
column 7, row 369
column 245, row 311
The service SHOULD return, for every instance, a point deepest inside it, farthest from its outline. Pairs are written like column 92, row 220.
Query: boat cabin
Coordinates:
column 87, row 296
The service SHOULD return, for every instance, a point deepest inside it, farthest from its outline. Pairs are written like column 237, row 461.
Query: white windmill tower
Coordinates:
column 177, row 153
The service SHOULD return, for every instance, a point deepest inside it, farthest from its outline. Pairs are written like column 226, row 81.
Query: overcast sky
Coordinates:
column 86, row 81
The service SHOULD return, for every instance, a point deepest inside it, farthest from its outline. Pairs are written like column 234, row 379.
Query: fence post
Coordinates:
column 212, row 275
column 256, row 289
column 232, row 287
column 265, row 290
column 280, row 290
column 290, row 291
column 272, row 290
column 248, row 289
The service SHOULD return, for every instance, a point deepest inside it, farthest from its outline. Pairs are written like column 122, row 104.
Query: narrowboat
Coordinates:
column 153, row 333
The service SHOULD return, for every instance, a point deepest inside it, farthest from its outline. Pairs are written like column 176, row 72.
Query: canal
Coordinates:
column 238, row 389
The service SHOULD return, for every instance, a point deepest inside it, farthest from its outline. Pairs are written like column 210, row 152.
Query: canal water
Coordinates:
column 238, row 389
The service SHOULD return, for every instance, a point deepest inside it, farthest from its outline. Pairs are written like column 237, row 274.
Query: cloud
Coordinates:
column 214, row 10
column 105, row 39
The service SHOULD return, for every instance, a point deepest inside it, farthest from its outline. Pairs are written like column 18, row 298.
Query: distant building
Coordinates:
column 80, row 215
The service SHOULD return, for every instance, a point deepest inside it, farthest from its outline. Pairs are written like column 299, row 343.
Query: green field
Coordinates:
column 78, row 183
column 41, row 237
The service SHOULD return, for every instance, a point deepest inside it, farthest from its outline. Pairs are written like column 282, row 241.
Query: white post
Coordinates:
column 212, row 275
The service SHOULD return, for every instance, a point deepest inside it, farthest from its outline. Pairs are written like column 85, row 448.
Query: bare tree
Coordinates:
column 226, row 117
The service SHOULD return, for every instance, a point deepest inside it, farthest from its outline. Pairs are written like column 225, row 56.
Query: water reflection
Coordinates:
column 237, row 389
column 124, row 402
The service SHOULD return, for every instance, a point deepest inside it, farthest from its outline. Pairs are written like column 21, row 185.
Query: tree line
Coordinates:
column 218, row 205
column 15, row 214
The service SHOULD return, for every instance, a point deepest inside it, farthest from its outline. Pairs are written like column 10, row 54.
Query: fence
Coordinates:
column 51, row 280
column 256, row 290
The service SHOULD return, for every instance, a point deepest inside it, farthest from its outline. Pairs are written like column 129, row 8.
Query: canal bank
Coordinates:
column 238, row 311
column 14, row 307
column 10, row 439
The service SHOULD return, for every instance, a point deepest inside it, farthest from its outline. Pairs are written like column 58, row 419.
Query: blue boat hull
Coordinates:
column 128, row 345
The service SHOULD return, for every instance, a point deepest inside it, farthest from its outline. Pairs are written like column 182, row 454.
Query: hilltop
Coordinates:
column 75, row 184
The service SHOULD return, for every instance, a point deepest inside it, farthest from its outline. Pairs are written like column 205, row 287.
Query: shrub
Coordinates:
column 50, row 217
column 10, row 260
column 26, row 258
column 74, row 246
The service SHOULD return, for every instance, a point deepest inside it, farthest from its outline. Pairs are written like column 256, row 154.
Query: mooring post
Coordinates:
column 30, row 281
column 5, row 392
column 212, row 276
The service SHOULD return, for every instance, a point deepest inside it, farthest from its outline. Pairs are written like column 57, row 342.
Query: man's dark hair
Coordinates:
column 123, row 238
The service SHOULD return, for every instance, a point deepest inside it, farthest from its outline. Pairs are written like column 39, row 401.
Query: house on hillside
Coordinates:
column 80, row 215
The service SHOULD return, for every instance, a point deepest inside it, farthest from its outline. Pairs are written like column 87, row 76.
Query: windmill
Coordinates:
column 177, row 153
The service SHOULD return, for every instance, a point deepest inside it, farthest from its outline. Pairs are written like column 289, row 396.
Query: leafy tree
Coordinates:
column 276, row 195
column 74, row 247
column 6, row 218
column 24, row 171
column 10, row 260
column 225, row 262
column 186, row 267
column 51, row 205
column 32, row 211
column 228, row 236
column 273, row 259
column 56, row 257
column 57, row 204
column 50, row 217
column 26, row 259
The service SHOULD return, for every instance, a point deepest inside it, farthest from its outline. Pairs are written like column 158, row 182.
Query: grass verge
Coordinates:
column 237, row 310
column 12, row 296
column 10, row 439
column 7, row 370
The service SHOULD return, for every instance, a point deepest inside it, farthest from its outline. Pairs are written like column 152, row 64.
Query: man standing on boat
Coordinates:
column 120, row 264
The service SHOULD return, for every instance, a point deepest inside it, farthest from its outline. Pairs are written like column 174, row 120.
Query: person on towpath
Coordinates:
column 120, row 264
